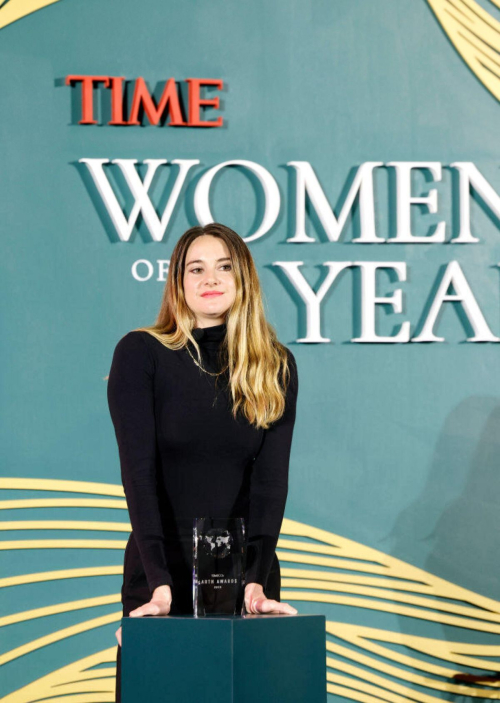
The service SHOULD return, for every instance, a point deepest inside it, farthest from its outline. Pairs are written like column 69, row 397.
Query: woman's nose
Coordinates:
column 210, row 277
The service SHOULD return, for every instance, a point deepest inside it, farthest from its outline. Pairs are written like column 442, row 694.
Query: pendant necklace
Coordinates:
column 201, row 367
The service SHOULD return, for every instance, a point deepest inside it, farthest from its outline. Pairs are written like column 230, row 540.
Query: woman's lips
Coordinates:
column 210, row 295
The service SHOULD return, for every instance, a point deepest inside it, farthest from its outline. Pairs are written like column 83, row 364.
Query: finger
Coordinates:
column 151, row 608
column 248, row 605
column 135, row 613
column 286, row 608
column 143, row 610
column 273, row 606
column 118, row 635
column 257, row 604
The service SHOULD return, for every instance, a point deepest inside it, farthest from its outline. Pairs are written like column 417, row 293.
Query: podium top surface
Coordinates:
column 236, row 618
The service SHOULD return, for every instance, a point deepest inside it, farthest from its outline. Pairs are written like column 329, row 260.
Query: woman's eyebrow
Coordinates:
column 200, row 261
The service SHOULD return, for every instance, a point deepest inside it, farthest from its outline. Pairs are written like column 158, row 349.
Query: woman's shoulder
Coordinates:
column 135, row 339
column 132, row 349
column 140, row 343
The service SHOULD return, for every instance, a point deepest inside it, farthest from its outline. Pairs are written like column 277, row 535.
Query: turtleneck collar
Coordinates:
column 215, row 333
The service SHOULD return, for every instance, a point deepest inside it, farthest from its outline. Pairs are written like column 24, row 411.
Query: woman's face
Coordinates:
column 209, row 285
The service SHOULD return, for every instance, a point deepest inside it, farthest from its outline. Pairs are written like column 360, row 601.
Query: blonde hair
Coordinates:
column 257, row 362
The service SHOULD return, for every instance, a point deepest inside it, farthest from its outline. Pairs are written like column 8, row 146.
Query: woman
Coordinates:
column 203, row 405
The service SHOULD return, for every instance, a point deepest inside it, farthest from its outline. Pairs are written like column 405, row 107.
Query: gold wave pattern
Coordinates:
column 13, row 10
column 339, row 576
column 475, row 34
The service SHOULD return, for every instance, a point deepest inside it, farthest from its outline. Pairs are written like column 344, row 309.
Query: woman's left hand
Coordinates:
column 256, row 602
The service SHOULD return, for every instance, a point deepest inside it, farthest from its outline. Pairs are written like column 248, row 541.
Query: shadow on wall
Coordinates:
column 455, row 521
column 454, row 525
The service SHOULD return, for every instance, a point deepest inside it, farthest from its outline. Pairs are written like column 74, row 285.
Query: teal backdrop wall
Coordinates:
column 392, row 517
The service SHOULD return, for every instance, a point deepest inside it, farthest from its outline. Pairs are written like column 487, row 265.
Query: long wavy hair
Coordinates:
column 257, row 362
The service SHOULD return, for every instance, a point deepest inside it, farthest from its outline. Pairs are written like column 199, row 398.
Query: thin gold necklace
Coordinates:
column 201, row 367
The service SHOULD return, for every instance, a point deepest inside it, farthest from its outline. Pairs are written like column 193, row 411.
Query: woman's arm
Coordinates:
column 131, row 404
column 269, row 487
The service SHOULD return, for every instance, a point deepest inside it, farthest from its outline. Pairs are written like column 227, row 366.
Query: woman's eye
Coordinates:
column 199, row 269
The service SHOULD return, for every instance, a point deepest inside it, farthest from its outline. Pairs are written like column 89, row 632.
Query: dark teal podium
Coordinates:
column 219, row 659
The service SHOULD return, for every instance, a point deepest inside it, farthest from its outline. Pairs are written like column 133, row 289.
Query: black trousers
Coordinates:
column 135, row 591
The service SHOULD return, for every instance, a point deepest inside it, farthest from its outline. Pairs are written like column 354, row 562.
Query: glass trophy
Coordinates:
column 219, row 561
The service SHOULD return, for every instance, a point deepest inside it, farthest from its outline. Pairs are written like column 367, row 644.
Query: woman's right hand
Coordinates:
column 158, row 605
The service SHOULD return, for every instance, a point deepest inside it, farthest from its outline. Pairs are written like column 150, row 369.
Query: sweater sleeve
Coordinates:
column 131, row 405
column 269, row 487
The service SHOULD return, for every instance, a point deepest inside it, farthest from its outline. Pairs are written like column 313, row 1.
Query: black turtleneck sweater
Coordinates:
column 183, row 455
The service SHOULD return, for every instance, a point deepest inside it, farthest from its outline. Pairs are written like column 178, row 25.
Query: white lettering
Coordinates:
column 404, row 201
column 307, row 184
column 311, row 299
column 272, row 200
column 139, row 190
column 369, row 300
column 454, row 276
